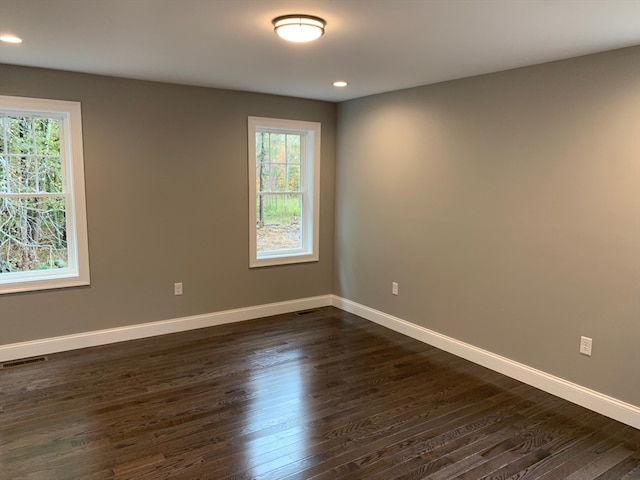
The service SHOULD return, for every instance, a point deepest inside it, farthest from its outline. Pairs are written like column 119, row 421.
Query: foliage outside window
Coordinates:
column 43, row 235
column 284, row 167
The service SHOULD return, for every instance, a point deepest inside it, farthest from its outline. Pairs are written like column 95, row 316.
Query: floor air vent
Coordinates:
column 23, row 362
column 307, row 312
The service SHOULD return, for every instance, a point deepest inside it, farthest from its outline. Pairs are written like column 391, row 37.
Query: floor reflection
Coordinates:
column 277, row 437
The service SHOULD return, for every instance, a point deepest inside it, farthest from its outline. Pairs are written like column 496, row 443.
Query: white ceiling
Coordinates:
column 375, row 45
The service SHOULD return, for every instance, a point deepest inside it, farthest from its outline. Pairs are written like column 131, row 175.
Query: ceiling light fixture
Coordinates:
column 8, row 38
column 298, row 27
column 340, row 83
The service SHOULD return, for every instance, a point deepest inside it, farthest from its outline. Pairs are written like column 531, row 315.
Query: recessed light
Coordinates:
column 340, row 83
column 299, row 28
column 8, row 38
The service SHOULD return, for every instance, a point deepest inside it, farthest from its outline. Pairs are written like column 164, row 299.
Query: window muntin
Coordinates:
column 43, row 239
column 284, row 165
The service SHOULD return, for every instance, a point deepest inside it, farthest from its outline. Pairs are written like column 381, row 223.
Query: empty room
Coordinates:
column 295, row 240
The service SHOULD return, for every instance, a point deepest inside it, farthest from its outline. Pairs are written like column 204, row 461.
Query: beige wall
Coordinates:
column 167, row 201
column 507, row 206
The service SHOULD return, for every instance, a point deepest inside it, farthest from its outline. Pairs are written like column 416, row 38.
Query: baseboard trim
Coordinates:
column 132, row 332
column 596, row 401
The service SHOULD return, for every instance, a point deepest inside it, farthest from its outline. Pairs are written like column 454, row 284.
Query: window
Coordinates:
column 284, row 191
column 43, row 232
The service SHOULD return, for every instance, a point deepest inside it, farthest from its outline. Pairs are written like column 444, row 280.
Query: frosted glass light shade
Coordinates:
column 298, row 28
column 9, row 38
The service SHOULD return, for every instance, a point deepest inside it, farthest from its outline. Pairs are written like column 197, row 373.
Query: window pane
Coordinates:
column 277, row 147
column 278, row 222
column 4, row 125
column 271, row 178
column 293, row 148
column 22, row 174
column 20, row 135
column 262, row 147
column 49, row 174
column 293, row 178
column 4, row 174
column 33, row 234
column 47, row 136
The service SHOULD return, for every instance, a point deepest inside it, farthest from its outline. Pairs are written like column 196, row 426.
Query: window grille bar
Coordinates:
column 280, row 192
column 33, row 195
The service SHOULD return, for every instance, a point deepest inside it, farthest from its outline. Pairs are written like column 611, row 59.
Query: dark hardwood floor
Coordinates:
column 326, row 395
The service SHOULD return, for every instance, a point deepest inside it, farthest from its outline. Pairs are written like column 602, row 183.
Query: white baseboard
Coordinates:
column 132, row 332
column 596, row 401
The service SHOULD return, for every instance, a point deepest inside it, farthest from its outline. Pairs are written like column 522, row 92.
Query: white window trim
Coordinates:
column 310, row 249
column 77, row 273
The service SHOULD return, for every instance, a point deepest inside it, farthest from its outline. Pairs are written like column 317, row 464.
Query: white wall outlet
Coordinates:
column 177, row 288
column 394, row 288
column 585, row 345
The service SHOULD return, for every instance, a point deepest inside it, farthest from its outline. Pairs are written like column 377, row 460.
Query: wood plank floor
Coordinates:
column 326, row 395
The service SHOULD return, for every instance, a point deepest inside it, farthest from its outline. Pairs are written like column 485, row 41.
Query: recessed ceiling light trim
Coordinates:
column 299, row 27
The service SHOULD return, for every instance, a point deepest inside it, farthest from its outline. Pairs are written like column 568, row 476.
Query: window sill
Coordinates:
column 42, row 284
column 271, row 261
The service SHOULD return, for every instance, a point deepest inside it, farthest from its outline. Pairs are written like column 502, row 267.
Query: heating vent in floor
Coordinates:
column 23, row 362
column 307, row 312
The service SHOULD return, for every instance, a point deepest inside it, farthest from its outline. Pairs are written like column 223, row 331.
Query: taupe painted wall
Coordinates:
column 507, row 206
column 167, row 201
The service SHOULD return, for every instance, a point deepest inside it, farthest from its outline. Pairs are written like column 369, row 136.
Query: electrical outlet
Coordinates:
column 394, row 288
column 585, row 345
column 177, row 288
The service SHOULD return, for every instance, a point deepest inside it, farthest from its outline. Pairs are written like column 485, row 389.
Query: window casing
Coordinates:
column 284, row 191
column 43, row 228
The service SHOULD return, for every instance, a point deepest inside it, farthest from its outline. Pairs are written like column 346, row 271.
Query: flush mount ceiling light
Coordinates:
column 299, row 28
column 8, row 38
column 340, row 84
